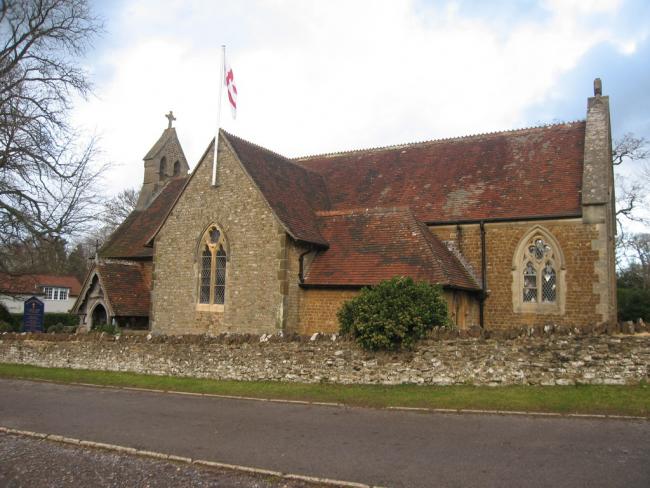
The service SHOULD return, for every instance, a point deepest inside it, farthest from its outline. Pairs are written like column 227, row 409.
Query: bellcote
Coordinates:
column 164, row 161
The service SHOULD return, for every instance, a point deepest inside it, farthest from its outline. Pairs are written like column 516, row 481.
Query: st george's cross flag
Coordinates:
column 229, row 81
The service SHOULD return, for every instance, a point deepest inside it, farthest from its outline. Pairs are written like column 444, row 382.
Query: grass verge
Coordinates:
column 584, row 399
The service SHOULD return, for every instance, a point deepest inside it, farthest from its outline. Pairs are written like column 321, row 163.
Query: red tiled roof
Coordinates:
column 293, row 192
column 127, row 286
column 130, row 238
column 34, row 283
column 533, row 172
column 368, row 246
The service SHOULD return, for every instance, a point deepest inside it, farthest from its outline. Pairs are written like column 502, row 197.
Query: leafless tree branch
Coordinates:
column 46, row 174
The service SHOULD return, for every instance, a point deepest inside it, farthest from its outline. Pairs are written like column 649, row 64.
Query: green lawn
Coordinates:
column 621, row 400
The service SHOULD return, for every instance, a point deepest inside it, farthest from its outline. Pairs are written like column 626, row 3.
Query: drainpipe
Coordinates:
column 483, row 277
column 301, row 264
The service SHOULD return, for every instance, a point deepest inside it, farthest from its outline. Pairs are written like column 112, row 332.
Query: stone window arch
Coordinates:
column 177, row 168
column 163, row 166
column 538, row 274
column 212, row 266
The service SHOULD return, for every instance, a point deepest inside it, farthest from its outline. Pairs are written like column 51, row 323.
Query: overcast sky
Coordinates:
column 330, row 75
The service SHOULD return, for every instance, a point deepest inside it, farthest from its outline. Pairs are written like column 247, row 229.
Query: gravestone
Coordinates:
column 33, row 315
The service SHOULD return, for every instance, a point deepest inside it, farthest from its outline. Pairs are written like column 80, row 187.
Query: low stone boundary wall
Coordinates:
column 555, row 360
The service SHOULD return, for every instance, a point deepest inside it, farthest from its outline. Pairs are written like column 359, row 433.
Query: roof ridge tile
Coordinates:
column 434, row 141
column 359, row 211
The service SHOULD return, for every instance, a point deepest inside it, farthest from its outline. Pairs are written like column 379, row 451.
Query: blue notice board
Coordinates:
column 33, row 315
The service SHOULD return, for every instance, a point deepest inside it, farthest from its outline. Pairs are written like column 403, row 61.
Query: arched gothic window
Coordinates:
column 177, row 168
column 540, row 283
column 212, row 268
column 163, row 166
column 538, row 274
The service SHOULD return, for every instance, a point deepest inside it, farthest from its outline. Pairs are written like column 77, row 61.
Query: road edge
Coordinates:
column 180, row 459
column 457, row 411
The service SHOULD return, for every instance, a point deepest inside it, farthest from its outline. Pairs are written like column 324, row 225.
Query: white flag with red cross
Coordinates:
column 229, row 81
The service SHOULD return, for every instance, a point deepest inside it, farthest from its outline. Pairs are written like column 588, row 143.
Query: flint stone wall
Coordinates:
column 556, row 360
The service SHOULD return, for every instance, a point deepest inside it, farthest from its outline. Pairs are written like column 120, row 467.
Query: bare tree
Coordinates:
column 46, row 175
column 638, row 253
column 118, row 208
column 630, row 148
column 631, row 193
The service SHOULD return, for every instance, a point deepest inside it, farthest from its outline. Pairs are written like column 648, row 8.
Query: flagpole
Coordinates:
column 216, row 138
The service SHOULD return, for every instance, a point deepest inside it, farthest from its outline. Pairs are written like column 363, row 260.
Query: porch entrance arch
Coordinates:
column 99, row 316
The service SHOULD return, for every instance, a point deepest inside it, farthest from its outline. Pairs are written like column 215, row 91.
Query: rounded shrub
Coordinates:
column 393, row 314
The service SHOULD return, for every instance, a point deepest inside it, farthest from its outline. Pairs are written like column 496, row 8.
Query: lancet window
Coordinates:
column 212, row 268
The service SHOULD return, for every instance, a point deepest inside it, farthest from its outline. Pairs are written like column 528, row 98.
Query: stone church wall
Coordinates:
column 256, row 285
column 581, row 245
column 551, row 360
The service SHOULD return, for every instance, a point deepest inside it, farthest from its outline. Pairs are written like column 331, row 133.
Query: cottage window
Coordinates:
column 538, row 274
column 212, row 270
column 55, row 293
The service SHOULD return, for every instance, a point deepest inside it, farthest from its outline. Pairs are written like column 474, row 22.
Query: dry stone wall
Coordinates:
column 554, row 360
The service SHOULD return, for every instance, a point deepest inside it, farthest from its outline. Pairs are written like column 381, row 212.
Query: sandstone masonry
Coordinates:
column 256, row 266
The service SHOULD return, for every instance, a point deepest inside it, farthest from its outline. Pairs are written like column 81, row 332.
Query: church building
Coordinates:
column 516, row 226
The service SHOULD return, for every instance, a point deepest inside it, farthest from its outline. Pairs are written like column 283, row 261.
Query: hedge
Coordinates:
column 49, row 319
column 633, row 304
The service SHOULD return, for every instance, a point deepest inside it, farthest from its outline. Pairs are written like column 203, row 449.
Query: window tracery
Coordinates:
column 538, row 274
column 212, row 268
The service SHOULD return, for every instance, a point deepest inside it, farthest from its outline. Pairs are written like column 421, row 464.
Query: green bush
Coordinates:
column 5, row 316
column 393, row 314
column 50, row 319
column 61, row 329
column 108, row 328
column 633, row 303
column 6, row 327
column 8, row 322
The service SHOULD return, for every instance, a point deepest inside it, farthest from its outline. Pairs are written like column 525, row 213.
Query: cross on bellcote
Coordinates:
column 170, row 118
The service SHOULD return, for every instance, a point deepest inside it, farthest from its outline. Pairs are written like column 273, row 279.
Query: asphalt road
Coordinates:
column 388, row 448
